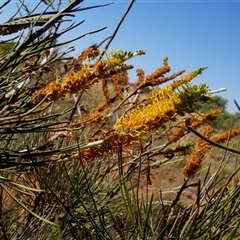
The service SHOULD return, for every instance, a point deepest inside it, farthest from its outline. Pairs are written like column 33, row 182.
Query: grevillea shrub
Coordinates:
column 87, row 154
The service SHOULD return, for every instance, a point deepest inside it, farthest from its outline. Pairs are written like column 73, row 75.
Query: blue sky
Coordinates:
column 192, row 34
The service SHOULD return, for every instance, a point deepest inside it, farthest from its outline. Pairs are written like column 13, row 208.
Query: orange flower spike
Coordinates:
column 177, row 135
column 120, row 81
column 141, row 77
column 92, row 153
column 105, row 90
column 199, row 152
column 212, row 112
column 90, row 53
column 222, row 137
column 157, row 77
column 73, row 82
column 101, row 107
column 202, row 147
column 116, row 85
column 124, row 78
column 53, row 90
column 92, row 117
column 197, row 120
column 158, row 73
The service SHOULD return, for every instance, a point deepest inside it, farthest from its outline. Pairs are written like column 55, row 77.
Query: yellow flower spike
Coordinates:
column 145, row 118
column 162, row 105
column 186, row 79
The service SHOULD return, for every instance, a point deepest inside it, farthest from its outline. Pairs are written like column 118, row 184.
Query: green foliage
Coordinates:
column 7, row 47
column 211, row 103
column 222, row 121
column 225, row 120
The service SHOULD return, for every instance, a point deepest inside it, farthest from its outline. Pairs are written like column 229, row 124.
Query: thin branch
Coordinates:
column 17, row 12
column 116, row 29
column 238, row 107
column 212, row 142
column 4, row 4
